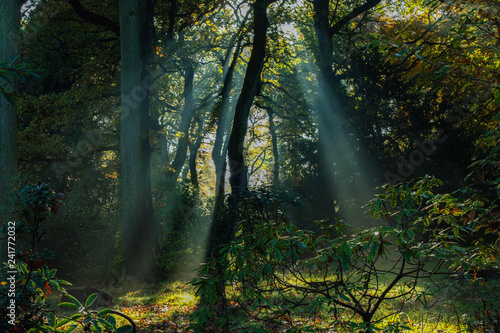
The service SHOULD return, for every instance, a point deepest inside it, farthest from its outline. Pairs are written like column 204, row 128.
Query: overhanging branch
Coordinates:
column 93, row 17
column 334, row 29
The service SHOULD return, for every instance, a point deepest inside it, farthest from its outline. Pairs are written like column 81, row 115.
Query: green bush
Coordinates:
column 273, row 269
column 27, row 281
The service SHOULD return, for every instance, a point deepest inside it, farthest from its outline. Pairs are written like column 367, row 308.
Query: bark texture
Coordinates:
column 10, row 36
column 134, row 140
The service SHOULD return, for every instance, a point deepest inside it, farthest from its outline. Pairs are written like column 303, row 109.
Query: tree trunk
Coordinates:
column 134, row 142
column 186, row 120
column 238, row 169
column 326, row 103
column 193, row 153
column 219, row 151
column 223, row 229
column 10, row 34
column 337, row 155
column 276, row 156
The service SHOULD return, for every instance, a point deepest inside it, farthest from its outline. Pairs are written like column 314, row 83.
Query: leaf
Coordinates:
column 69, row 305
column 373, row 252
column 90, row 300
column 51, row 319
column 345, row 261
column 97, row 327
column 277, row 254
column 9, row 97
column 105, row 323
column 104, row 312
column 71, row 328
column 344, row 298
column 76, row 316
column 112, row 320
column 123, row 329
column 51, row 274
column 62, row 322
column 74, row 300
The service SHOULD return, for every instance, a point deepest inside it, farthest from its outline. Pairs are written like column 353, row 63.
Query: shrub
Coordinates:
column 273, row 269
column 27, row 281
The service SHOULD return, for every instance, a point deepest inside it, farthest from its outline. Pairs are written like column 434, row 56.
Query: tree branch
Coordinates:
column 93, row 17
column 334, row 29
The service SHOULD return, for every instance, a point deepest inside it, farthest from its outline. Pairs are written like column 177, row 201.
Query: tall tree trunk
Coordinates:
column 134, row 133
column 336, row 163
column 186, row 120
column 327, row 105
column 225, row 115
column 238, row 178
column 10, row 34
column 222, row 230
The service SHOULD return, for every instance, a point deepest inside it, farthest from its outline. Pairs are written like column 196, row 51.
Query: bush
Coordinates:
column 273, row 269
column 27, row 281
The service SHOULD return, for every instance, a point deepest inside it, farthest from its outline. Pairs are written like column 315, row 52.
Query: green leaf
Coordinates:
column 97, row 327
column 50, row 274
column 76, row 316
column 277, row 254
column 344, row 298
column 345, row 261
column 239, row 262
column 74, row 300
column 69, row 305
column 51, row 319
column 103, row 312
column 6, row 76
column 111, row 320
column 62, row 322
column 90, row 299
column 105, row 323
column 373, row 252
column 71, row 328
column 124, row 329
column 9, row 97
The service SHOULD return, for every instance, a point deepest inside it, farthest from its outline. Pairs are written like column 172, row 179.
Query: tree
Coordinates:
column 338, row 159
column 222, row 229
column 10, row 34
column 134, row 140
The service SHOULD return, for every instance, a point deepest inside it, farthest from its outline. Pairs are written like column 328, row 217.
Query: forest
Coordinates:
column 250, row 166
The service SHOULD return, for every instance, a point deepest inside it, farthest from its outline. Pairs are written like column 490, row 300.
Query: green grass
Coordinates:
column 462, row 307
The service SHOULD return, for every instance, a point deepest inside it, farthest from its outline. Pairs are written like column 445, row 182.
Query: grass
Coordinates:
column 464, row 307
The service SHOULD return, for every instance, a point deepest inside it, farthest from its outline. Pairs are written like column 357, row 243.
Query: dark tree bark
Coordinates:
column 224, row 115
column 134, row 140
column 224, row 112
column 222, row 229
column 238, row 178
column 193, row 153
column 93, row 17
column 10, row 35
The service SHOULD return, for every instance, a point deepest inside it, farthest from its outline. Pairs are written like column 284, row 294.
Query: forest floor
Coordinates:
column 166, row 307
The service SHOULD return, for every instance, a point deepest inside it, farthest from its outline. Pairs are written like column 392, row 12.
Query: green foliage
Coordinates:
column 10, row 71
column 273, row 268
column 27, row 281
